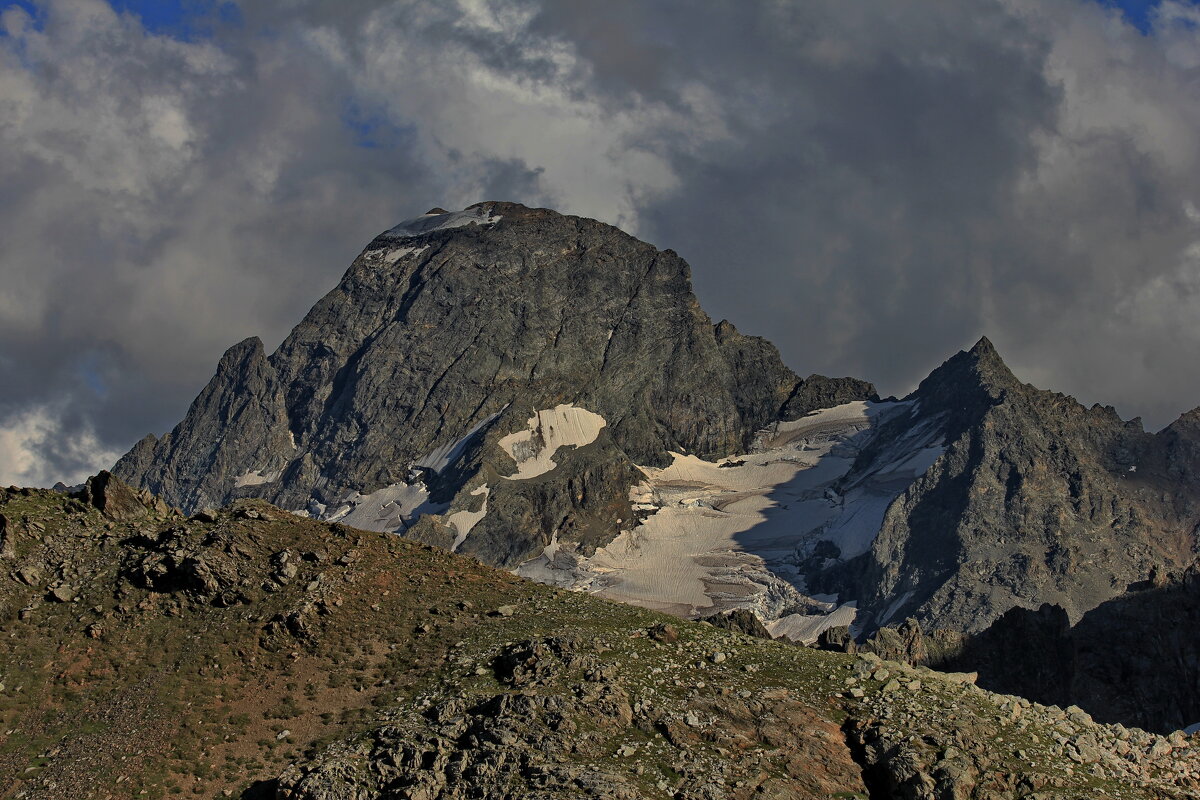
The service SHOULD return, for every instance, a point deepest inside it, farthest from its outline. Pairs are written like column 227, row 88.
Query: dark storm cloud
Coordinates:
column 901, row 179
column 874, row 158
column 869, row 184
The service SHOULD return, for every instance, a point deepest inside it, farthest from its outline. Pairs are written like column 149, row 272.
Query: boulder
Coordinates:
column 113, row 498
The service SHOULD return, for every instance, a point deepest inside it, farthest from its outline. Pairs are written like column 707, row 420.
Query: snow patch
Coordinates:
column 389, row 510
column 805, row 628
column 255, row 478
column 564, row 425
column 858, row 519
column 733, row 533
column 428, row 223
column 895, row 606
column 464, row 521
column 555, row 566
column 392, row 256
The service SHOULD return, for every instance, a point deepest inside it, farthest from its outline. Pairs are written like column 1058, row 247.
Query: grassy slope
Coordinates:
column 121, row 691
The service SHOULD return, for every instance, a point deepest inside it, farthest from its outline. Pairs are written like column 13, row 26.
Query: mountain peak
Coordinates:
column 485, row 213
column 984, row 348
column 236, row 356
column 988, row 364
column 1187, row 421
column 459, row 321
column 969, row 375
column 985, row 360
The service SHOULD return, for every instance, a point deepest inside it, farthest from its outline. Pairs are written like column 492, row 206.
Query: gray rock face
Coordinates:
column 1035, row 500
column 7, row 549
column 1134, row 659
column 238, row 419
column 739, row 620
column 473, row 322
column 817, row 391
column 118, row 502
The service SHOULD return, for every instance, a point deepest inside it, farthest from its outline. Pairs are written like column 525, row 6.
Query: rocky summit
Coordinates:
column 454, row 335
column 544, row 392
column 1033, row 499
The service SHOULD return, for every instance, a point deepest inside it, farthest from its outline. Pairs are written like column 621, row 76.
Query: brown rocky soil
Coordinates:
column 248, row 653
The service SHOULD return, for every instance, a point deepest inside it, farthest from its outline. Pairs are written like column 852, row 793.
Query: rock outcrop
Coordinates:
column 118, row 502
column 740, row 620
column 1035, row 499
column 446, row 334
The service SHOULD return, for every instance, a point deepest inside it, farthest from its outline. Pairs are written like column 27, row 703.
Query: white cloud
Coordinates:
column 495, row 92
column 26, row 439
column 869, row 184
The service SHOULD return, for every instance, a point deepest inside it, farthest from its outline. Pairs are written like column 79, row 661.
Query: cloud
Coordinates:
column 41, row 447
column 869, row 185
column 157, row 191
column 898, row 180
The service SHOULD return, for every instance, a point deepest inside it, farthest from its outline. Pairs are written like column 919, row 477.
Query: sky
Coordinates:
column 870, row 185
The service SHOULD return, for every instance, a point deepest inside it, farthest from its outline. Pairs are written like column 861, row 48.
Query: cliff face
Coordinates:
column 447, row 334
column 1035, row 499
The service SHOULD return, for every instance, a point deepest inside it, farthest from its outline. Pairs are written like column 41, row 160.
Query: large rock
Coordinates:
column 817, row 392
column 1035, row 499
column 446, row 334
column 115, row 500
column 740, row 620
column 7, row 548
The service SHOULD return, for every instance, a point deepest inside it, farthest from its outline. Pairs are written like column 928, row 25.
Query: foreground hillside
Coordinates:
column 249, row 653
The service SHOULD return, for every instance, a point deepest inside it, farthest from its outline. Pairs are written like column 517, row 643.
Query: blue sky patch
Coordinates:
column 1138, row 12
column 185, row 19
column 160, row 16
column 28, row 5
column 89, row 371
column 372, row 129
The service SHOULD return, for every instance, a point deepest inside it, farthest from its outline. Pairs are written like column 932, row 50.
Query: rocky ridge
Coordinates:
column 249, row 653
column 911, row 732
column 1035, row 500
column 442, row 338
